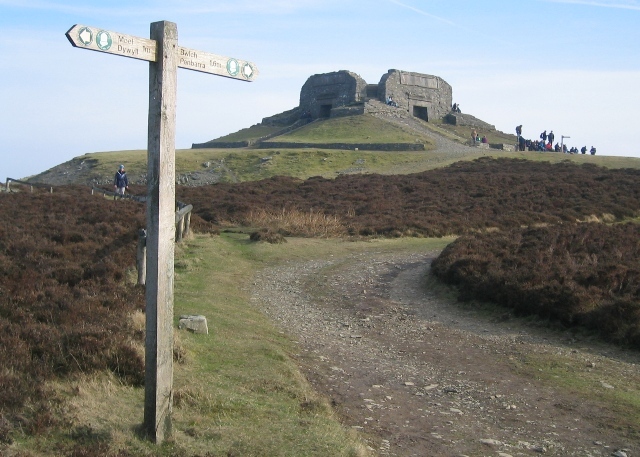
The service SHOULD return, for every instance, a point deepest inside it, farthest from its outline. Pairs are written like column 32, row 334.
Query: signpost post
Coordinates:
column 562, row 142
column 165, row 56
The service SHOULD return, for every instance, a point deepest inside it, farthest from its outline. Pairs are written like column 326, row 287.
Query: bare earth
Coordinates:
column 419, row 374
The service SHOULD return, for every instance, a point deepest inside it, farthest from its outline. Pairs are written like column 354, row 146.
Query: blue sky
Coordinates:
column 571, row 66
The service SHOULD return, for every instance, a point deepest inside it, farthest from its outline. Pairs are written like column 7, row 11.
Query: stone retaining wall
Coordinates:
column 283, row 119
column 468, row 120
column 343, row 111
column 221, row 144
column 504, row 147
column 344, row 146
column 377, row 107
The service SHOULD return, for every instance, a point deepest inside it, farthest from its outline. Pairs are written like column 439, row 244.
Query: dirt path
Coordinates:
column 420, row 375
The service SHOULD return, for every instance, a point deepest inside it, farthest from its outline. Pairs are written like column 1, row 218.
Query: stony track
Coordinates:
column 420, row 375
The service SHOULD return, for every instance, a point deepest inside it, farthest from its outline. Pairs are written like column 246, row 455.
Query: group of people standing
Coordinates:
column 545, row 143
column 475, row 137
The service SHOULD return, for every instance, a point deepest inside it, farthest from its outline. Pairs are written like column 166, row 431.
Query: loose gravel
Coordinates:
column 418, row 374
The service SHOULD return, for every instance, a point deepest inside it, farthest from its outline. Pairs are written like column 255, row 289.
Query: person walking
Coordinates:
column 543, row 136
column 120, row 181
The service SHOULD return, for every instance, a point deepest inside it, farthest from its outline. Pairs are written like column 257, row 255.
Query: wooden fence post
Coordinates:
column 187, row 223
column 180, row 228
column 141, row 258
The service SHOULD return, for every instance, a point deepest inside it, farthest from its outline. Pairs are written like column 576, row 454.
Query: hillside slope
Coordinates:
column 196, row 167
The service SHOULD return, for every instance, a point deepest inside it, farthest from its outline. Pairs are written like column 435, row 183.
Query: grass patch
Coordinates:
column 355, row 129
column 238, row 392
column 247, row 164
column 608, row 382
column 306, row 223
column 614, row 387
column 241, row 381
column 251, row 133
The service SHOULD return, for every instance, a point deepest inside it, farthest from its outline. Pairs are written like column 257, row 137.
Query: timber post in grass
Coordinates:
column 164, row 57
column 161, row 201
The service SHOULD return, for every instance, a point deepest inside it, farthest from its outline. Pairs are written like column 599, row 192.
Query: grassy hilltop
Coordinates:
column 204, row 166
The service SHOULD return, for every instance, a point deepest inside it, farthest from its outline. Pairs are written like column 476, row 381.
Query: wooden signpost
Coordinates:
column 165, row 56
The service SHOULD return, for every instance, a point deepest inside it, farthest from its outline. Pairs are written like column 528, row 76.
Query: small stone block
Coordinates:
column 194, row 323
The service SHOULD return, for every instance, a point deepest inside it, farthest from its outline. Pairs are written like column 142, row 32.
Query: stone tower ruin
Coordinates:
column 423, row 96
column 321, row 93
column 332, row 94
column 344, row 93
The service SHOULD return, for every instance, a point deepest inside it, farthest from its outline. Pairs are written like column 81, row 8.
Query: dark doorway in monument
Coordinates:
column 325, row 111
column 421, row 113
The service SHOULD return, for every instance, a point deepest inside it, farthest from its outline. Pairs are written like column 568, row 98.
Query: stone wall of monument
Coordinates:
column 343, row 93
column 323, row 92
column 423, row 96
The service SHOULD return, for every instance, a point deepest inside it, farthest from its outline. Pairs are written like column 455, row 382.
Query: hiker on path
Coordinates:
column 550, row 137
column 519, row 130
column 120, row 181
column 593, row 151
column 543, row 136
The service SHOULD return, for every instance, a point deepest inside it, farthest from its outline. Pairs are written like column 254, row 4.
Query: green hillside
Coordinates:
column 355, row 129
column 206, row 166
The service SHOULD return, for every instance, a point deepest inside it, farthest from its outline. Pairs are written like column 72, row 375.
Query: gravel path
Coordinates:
column 420, row 375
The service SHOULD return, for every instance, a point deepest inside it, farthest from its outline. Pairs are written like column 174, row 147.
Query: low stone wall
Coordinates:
column 345, row 146
column 296, row 125
column 467, row 119
column 376, row 107
column 504, row 147
column 221, row 145
column 343, row 111
column 283, row 119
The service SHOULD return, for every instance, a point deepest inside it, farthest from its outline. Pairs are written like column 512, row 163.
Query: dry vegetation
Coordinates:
column 64, row 301
column 66, row 304
column 463, row 198
column 578, row 274
column 558, row 266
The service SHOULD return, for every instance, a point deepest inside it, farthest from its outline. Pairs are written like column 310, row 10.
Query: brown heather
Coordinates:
column 64, row 301
column 578, row 274
column 462, row 198
column 66, row 306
